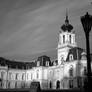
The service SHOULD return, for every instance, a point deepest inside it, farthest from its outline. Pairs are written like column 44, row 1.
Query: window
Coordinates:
column 23, row 76
column 51, row 73
column 58, row 84
column 31, row 76
column 71, row 71
column 9, row 84
column 59, row 39
column 71, row 83
column 37, row 74
column 38, row 63
column 85, row 71
column 79, row 82
column 70, row 38
column 62, row 57
column 10, row 74
column 27, row 76
column 47, row 63
column 71, row 57
column 50, row 84
column 63, row 38
column 16, row 76
column 2, row 75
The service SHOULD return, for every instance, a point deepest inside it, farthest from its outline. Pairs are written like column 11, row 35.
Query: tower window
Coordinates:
column 71, row 57
column 63, row 38
column 70, row 38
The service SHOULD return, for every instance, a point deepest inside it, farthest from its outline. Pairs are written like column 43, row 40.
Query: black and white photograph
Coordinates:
column 45, row 45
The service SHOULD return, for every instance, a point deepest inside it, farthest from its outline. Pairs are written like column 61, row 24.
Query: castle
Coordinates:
column 69, row 70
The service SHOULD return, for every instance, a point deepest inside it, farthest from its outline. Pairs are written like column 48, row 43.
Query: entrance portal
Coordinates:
column 58, row 84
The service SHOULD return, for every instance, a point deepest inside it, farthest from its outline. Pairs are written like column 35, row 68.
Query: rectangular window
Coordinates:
column 31, row 76
column 16, row 76
column 10, row 74
column 23, row 76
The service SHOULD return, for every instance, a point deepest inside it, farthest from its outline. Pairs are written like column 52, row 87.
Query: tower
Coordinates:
column 66, row 40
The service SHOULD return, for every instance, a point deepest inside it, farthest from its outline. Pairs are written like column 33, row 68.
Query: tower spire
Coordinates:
column 66, row 21
column 67, row 27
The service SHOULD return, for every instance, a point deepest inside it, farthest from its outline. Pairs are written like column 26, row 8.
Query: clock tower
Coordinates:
column 66, row 41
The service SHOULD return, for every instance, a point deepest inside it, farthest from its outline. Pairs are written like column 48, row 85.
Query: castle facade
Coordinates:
column 69, row 70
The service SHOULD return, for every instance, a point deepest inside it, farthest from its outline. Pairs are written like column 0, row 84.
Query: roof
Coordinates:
column 16, row 64
column 76, row 52
column 43, row 59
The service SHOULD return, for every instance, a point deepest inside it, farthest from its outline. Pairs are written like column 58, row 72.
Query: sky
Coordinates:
column 30, row 28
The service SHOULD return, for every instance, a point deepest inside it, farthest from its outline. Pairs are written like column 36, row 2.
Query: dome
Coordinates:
column 67, row 27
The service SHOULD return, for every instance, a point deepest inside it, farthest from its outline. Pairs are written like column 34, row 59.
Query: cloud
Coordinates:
column 32, row 27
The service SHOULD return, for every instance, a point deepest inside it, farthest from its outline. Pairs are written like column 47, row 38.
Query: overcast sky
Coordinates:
column 28, row 28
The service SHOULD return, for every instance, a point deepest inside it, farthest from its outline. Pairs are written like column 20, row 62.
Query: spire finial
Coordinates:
column 67, row 27
column 67, row 21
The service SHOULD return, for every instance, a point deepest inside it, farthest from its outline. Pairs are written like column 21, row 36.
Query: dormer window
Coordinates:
column 71, row 57
column 47, row 63
column 38, row 63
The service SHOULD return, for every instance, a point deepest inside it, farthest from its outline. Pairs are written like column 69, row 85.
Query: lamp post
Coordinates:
column 86, row 21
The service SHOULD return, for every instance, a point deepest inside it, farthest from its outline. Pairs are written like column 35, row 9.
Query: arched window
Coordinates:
column 70, row 38
column 63, row 38
column 70, row 57
column 71, row 71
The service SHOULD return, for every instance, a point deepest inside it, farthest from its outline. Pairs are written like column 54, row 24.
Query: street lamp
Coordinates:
column 86, row 21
